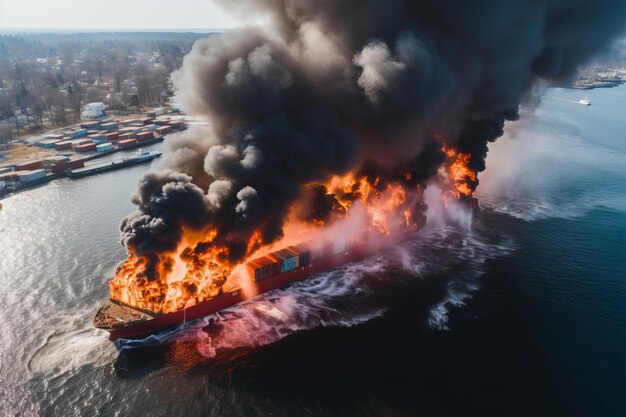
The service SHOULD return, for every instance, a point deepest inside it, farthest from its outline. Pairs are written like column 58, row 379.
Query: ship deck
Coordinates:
column 113, row 314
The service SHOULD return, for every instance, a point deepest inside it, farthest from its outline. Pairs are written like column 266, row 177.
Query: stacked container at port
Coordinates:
column 126, row 143
column 126, row 136
column 87, row 147
column 141, row 136
column 30, row 176
column 7, row 176
column 176, row 124
column 92, row 125
column 51, row 161
column 112, row 136
column 103, row 147
column 12, row 176
column 48, row 143
column 151, row 127
column 109, row 126
column 80, row 142
column 163, row 130
column 98, row 138
column 71, row 164
column 78, row 134
column 63, row 145
column 29, row 165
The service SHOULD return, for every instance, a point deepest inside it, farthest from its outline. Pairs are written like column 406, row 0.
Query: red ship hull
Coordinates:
column 165, row 321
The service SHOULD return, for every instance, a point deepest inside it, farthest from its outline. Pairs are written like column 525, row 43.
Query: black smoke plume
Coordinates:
column 327, row 86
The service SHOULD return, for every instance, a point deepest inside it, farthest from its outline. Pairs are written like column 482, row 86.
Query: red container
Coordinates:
column 112, row 136
column 71, row 164
column 29, row 165
column 79, row 143
column 144, row 135
column 126, row 143
column 85, row 148
column 163, row 130
column 126, row 136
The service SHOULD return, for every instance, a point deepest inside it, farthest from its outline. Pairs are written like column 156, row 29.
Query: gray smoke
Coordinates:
column 328, row 86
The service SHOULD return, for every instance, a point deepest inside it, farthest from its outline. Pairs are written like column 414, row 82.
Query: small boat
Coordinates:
column 584, row 101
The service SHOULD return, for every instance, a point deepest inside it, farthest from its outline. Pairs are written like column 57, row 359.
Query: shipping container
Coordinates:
column 304, row 253
column 175, row 124
column 4, row 170
column 264, row 267
column 86, row 147
column 32, row 175
column 12, row 176
column 78, row 133
column 112, row 136
column 158, row 111
column 131, row 129
column 81, row 142
column 63, row 145
column 163, row 130
column 109, row 126
column 90, row 125
column 151, row 127
column 29, row 165
column 100, row 138
column 71, row 164
column 144, row 135
column 104, row 147
column 48, row 143
column 125, row 136
column 126, row 143
column 7, row 176
column 60, row 158
column 289, row 259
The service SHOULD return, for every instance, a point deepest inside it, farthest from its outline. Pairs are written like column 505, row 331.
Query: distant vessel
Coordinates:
column 584, row 101
column 139, row 158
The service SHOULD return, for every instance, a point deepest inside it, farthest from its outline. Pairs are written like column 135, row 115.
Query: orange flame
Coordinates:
column 459, row 173
column 199, row 268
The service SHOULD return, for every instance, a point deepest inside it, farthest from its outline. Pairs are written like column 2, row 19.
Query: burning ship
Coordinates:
column 323, row 122
column 274, row 270
column 363, row 214
column 198, row 280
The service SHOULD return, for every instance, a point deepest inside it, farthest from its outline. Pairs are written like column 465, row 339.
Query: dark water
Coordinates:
column 519, row 311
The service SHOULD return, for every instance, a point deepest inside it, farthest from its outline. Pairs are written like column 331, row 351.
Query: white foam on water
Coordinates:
column 73, row 344
column 274, row 315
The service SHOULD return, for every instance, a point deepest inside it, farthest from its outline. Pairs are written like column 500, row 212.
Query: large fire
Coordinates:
column 167, row 282
column 390, row 207
column 459, row 173
column 199, row 268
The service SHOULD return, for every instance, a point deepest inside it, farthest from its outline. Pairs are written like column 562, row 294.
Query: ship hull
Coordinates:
column 169, row 320
column 111, row 167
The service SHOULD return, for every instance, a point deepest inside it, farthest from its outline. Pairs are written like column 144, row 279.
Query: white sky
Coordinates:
column 113, row 14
